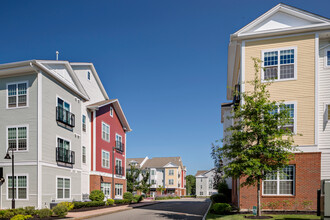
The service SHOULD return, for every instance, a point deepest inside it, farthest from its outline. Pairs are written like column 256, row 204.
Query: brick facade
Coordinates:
column 307, row 182
column 95, row 182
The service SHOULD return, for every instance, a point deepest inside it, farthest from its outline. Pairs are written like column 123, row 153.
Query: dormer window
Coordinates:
column 111, row 111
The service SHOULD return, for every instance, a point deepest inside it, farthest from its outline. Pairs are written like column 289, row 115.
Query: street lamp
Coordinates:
column 12, row 175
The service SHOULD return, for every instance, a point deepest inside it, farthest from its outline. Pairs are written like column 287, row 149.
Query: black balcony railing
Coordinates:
column 65, row 156
column 119, row 146
column 65, row 116
column 119, row 170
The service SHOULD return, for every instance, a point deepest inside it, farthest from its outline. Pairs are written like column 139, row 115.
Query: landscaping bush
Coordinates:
column 96, row 195
column 221, row 208
column 8, row 214
column 137, row 198
column 30, row 210
column 19, row 211
column 122, row 201
column 60, row 210
column 128, row 195
column 45, row 213
column 21, row 217
column 167, row 197
column 69, row 205
column 219, row 198
column 78, row 205
column 190, row 196
column 110, row 202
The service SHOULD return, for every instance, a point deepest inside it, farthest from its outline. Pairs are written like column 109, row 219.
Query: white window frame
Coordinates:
column 59, row 97
column 103, row 123
column 295, row 114
column 169, row 181
column 278, row 63
column 122, row 189
column 27, row 137
column 82, row 120
column 27, row 94
column 64, row 177
column 57, row 137
column 121, row 164
column 278, row 184
column 105, row 159
column 106, row 196
column 27, row 186
column 326, row 50
column 82, row 155
column 169, row 173
column 111, row 111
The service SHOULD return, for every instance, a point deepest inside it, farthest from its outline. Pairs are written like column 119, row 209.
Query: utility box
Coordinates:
column 325, row 200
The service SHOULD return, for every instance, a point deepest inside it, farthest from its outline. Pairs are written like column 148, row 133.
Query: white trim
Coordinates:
column 19, row 163
column 27, row 94
column 278, row 185
column 27, row 137
column 56, row 104
column 103, row 123
column 242, row 71
column 326, row 50
column 27, row 186
column 99, row 173
column 111, row 111
column 39, row 169
column 94, row 140
column 279, row 37
column 54, row 165
column 105, row 158
column 295, row 114
column 63, row 177
column 125, row 159
column 64, row 139
column 316, row 110
column 278, row 63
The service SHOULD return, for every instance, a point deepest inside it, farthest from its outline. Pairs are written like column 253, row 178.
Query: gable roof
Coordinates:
column 282, row 19
column 161, row 162
column 118, row 109
column 137, row 160
column 200, row 172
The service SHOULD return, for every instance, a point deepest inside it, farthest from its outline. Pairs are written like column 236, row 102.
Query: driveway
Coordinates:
column 170, row 209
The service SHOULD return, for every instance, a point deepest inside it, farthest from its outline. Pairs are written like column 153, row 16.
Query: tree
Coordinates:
column 191, row 184
column 258, row 142
column 144, row 185
column 218, row 165
column 132, row 176
column 160, row 189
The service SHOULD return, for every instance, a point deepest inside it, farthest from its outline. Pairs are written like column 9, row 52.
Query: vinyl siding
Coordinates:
column 174, row 177
column 301, row 90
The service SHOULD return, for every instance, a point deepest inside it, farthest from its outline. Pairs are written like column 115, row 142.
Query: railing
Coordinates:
column 65, row 156
column 65, row 116
column 119, row 146
column 119, row 170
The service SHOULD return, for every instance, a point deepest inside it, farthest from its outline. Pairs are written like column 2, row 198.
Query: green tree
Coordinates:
column 144, row 185
column 132, row 177
column 258, row 142
column 160, row 189
column 191, row 185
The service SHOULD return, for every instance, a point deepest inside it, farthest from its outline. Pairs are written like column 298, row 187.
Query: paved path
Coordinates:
column 170, row 209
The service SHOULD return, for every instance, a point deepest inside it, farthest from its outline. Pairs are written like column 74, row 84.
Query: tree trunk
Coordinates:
column 258, row 199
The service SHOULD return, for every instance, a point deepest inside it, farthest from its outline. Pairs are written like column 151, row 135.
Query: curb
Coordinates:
column 208, row 209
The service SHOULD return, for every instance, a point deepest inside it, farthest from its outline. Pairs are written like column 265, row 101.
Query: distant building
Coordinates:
column 205, row 183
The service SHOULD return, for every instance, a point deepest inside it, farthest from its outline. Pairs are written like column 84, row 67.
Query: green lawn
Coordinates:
column 241, row 216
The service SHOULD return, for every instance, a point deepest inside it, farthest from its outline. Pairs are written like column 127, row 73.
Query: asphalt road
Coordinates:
column 173, row 209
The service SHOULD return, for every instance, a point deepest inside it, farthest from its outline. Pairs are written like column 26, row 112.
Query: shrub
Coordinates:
column 219, row 198
column 122, row 201
column 21, row 217
column 45, row 213
column 138, row 198
column 8, row 213
column 128, row 195
column 69, row 205
column 221, row 208
column 96, row 195
column 30, row 210
column 19, row 211
column 60, row 210
column 110, row 202
column 78, row 205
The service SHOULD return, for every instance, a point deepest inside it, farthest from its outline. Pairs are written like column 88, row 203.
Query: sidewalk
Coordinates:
column 105, row 211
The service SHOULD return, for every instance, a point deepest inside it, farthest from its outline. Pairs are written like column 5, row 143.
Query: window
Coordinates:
column 153, row 182
column 327, row 58
column 171, row 181
column 111, row 111
column 119, row 169
column 119, row 190
column 105, row 159
column 17, row 95
column 106, row 189
column 63, row 113
column 119, row 143
column 84, row 122
column 105, row 132
column 280, row 183
column 290, row 107
column 200, row 193
column 88, row 75
column 83, row 154
column 63, row 149
column 210, row 183
column 17, row 138
column 63, row 188
column 20, row 187
column 279, row 64
column 171, row 172
column 152, row 172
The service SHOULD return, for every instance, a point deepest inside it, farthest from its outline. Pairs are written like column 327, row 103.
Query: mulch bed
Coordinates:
column 95, row 208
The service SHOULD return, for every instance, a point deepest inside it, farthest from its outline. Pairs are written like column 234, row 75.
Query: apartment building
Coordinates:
column 293, row 45
column 50, row 121
column 167, row 172
column 205, row 183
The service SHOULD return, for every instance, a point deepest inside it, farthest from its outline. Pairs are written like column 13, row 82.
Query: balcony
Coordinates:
column 119, row 170
column 65, row 156
column 119, row 146
column 65, row 116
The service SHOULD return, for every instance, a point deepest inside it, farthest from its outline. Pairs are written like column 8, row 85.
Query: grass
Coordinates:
column 241, row 216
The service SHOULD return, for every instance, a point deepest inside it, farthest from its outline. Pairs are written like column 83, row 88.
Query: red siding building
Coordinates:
column 108, row 148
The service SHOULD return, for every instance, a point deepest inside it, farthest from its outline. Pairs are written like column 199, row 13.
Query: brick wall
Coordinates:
column 307, row 181
column 95, row 182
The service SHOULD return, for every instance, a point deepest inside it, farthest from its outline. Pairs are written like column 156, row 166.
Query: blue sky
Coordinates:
column 165, row 61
